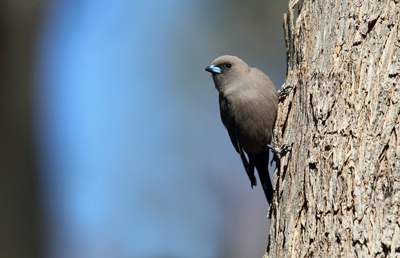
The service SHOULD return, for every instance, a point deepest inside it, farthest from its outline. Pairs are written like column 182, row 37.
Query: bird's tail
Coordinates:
column 261, row 162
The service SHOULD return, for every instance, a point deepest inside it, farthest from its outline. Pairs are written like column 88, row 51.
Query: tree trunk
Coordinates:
column 337, row 193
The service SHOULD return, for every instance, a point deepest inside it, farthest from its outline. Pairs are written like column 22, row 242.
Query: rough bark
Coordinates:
column 337, row 194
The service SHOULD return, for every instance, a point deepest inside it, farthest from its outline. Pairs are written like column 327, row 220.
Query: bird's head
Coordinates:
column 225, row 69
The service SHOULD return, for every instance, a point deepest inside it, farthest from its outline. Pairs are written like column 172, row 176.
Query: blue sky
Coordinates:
column 136, row 162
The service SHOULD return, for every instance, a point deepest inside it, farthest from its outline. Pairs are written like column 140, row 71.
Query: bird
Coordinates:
column 248, row 102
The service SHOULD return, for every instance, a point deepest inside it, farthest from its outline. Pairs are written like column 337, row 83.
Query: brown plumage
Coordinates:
column 248, row 104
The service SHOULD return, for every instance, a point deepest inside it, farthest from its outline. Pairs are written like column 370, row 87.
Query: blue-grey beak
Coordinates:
column 213, row 69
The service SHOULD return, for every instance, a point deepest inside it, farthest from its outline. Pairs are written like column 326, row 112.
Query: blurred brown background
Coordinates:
column 20, row 203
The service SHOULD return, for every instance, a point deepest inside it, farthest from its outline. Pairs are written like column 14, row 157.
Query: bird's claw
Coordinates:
column 285, row 149
column 280, row 151
column 284, row 91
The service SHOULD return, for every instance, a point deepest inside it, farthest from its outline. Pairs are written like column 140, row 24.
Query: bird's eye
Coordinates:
column 228, row 65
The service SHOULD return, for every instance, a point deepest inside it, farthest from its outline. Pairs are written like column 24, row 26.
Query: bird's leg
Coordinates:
column 284, row 91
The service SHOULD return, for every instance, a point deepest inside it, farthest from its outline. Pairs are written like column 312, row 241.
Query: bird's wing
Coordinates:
column 229, row 121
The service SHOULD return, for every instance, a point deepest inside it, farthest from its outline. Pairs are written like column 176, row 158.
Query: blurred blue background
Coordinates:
column 133, row 156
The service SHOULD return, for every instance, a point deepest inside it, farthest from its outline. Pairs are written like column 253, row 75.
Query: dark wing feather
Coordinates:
column 229, row 121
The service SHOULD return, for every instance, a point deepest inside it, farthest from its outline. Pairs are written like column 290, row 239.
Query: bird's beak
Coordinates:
column 213, row 69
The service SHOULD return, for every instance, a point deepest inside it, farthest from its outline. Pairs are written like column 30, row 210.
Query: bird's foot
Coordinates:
column 280, row 151
column 284, row 91
column 285, row 149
